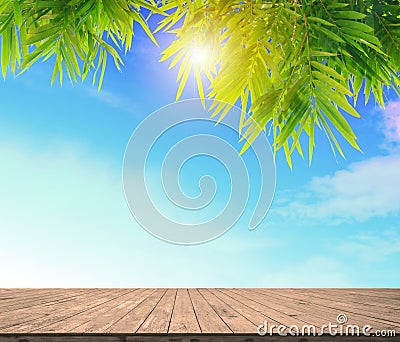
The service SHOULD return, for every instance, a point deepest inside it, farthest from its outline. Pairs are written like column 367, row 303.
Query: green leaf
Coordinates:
column 329, row 34
column 354, row 25
column 320, row 21
column 326, row 69
column 279, row 58
column 349, row 15
column 17, row 13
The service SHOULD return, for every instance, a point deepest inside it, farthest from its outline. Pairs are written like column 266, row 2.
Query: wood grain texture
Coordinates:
column 209, row 321
column 184, row 338
column 110, row 315
column 184, row 320
column 132, row 321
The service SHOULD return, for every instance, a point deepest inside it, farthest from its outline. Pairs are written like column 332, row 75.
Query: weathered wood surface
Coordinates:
column 189, row 314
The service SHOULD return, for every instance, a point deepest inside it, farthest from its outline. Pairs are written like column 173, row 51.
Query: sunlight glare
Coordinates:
column 200, row 55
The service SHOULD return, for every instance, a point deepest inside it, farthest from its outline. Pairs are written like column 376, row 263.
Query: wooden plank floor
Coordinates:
column 188, row 314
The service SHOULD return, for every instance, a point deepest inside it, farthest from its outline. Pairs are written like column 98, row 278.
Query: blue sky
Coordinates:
column 64, row 221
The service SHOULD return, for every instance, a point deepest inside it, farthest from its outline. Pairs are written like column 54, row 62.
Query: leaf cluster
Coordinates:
column 78, row 35
column 296, row 64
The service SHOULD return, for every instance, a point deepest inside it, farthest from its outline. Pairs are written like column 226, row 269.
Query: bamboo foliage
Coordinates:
column 79, row 35
column 293, row 64
column 298, row 64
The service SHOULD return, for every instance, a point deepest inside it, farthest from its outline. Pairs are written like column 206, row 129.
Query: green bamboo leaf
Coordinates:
column 329, row 34
column 337, row 119
column 315, row 53
column 294, row 119
column 331, row 137
column 103, row 69
column 325, row 82
column 17, row 13
column 144, row 26
column 182, row 82
column 326, row 69
column 48, row 31
column 355, row 25
column 320, row 21
column 342, row 102
column 287, row 154
column 296, row 136
column 199, row 84
column 311, row 142
column 36, row 54
column 5, row 51
column 336, row 4
column 348, row 15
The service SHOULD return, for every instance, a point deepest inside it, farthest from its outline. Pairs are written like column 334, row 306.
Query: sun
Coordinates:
column 201, row 55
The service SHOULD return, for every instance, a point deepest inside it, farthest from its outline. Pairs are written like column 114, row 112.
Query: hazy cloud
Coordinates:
column 370, row 247
column 112, row 99
column 391, row 123
column 64, row 222
column 316, row 271
column 364, row 190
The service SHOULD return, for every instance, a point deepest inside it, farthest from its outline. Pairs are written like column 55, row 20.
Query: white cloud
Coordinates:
column 364, row 190
column 370, row 247
column 391, row 123
column 112, row 99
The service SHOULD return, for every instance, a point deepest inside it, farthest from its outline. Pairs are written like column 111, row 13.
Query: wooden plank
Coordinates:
column 83, row 313
column 10, row 294
column 183, row 320
column 61, row 312
column 190, row 338
column 135, row 314
column 80, row 322
column 61, row 338
column 11, row 316
column 157, row 322
column 131, row 322
column 22, row 319
column 267, row 310
column 245, row 310
column 360, row 305
column 277, row 313
column 319, row 314
column 41, row 303
column 235, row 321
column 209, row 321
column 308, row 316
column 101, row 321
column 20, row 292
column 33, row 297
column 359, row 312
column 390, row 294
column 362, row 297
